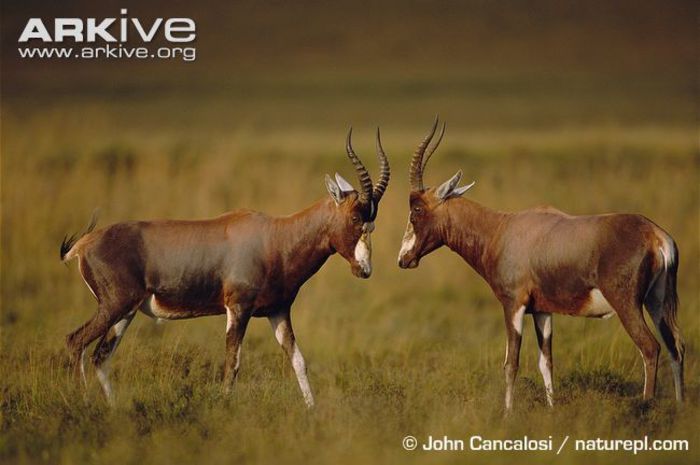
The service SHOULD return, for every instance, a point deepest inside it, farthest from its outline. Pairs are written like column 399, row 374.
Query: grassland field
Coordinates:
column 416, row 352
column 406, row 352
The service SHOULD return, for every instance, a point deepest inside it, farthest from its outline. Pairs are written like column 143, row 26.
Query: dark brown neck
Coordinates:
column 468, row 229
column 303, row 242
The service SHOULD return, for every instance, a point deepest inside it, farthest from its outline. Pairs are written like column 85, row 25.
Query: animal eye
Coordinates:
column 355, row 219
column 417, row 209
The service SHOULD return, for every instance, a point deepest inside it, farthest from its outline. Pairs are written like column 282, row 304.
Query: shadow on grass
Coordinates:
column 601, row 381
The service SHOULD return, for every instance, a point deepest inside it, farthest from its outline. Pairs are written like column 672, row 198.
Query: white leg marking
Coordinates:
column 279, row 329
column 547, row 378
column 82, row 367
column 544, row 323
column 363, row 249
column 103, row 376
column 409, row 240
column 103, row 370
column 238, row 358
column 229, row 325
column 644, row 364
column 300, row 369
column 297, row 359
column 120, row 327
column 229, row 319
column 518, row 320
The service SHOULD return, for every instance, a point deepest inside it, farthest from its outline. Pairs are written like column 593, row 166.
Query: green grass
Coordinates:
column 407, row 352
column 598, row 122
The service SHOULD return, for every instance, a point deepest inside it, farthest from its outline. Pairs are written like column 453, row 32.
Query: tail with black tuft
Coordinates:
column 68, row 242
column 670, row 308
column 667, row 321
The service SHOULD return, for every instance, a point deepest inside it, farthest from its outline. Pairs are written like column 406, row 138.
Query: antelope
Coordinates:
column 243, row 263
column 543, row 261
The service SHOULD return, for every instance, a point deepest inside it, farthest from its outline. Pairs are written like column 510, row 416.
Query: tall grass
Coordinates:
column 406, row 352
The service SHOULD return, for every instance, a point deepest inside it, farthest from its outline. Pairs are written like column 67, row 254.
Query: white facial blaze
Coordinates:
column 409, row 240
column 363, row 249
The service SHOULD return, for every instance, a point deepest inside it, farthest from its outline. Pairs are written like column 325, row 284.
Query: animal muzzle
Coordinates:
column 408, row 262
column 362, row 268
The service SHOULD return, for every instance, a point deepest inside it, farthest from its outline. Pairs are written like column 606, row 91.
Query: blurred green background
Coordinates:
column 588, row 106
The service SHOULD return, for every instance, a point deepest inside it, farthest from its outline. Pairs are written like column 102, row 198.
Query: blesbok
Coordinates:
column 543, row 261
column 244, row 264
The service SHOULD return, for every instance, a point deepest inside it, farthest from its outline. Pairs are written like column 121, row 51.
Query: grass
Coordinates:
column 407, row 352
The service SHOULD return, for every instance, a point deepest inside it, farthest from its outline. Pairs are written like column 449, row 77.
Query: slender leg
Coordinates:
column 667, row 329
column 282, row 326
column 632, row 320
column 674, row 345
column 676, row 348
column 543, row 329
column 82, row 368
column 78, row 340
column 514, row 330
column 236, row 323
column 105, row 350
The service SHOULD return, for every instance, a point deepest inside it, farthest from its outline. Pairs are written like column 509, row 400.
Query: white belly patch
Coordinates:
column 152, row 308
column 597, row 306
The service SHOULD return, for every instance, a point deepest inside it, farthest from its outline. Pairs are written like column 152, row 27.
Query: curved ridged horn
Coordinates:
column 416, row 172
column 432, row 149
column 362, row 174
column 384, row 172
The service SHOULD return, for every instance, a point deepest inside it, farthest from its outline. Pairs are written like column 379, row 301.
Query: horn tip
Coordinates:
column 435, row 124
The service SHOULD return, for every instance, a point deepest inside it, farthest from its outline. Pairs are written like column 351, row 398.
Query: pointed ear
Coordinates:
column 449, row 188
column 334, row 190
column 446, row 189
column 461, row 190
column 343, row 184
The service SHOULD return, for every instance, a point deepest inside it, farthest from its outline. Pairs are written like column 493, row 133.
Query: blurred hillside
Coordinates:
column 412, row 39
